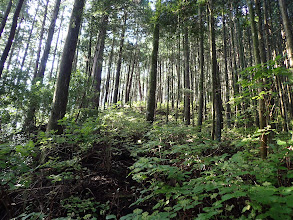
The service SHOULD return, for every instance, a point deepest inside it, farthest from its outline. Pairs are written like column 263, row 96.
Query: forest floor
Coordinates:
column 118, row 166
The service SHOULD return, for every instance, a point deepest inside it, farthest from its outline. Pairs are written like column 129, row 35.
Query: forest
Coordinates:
column 146, row 109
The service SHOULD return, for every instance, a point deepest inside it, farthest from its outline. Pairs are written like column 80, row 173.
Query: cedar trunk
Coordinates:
column 62, row 85
column 11, row 36
column 151, row 102
column 5, row 16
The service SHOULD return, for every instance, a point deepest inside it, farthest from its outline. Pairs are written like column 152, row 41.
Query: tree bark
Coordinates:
column 186, row 79
column 62, row 85
column 216, row 93
column 151, row 102
column 46, row 52
column 287, row 26
column 261, row 102
column 129, row 86
column 41, row 41
column 98, row 61
column 5, row 16
column 118, row 70
column 29, row 39
column 11, row 36
column 228, row 107
column 201, row 70
column 56, row 45
column 109, row 72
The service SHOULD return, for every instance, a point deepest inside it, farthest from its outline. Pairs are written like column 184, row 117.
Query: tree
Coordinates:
column 118, row 70
column 186, row 78
column 62, row 84
column 288, row 30
column 151, row 100
column 216, row 87
column 201, row 69
column 109, row 72
column 5, row 16
column 261, row 102
column 46, row 52
column 98, row 61
column 11, row 35
column 41, row 41
column 29, row 38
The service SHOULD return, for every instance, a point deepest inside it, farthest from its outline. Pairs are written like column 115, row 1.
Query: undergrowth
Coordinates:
column 117, row 166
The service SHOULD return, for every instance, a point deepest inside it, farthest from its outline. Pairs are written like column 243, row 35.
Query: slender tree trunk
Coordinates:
column 11, row 36
column 45, row 56
column 216, row 93
column 118, row 70
column 41, row 41
column 129, row 86
column 201, row 70
column 98, row 61
column 178, row 70
column 5, row 16
column 14, row 44
column 268, row 31
column 239, row 37
column 109, row 72
column 260, row 32
column 29, row 38
column 288, row 30
column 89, row 54
column 186, row 79
column 234, row 70
column 151, row 102
column 62, row 85
column 228, row 108
column 262, row 119
column 168, row 95
column 56, row 46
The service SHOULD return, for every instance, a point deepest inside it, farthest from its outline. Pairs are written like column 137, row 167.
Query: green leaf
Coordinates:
column 111, row 217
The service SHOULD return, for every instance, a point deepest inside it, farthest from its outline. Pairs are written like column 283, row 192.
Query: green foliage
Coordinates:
column 15, row 164
column 191, row 175
column 180, row 173
column 82, row 208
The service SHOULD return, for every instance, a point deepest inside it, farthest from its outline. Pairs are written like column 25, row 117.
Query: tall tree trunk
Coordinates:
column 29, row 38
column 11, row 36
column 89, row 54
column 233, row 56
column 151, row 102
column 228, row 108
column 5, row 16
column 261, row 110
column 186, row 79
column 62, row 84
column 118, row 70
column 41, row 41
column 129, row 86
column 109, row 72
column 268, row 31
column 288, row 30
column 56, row 45
column 239, row 37
column 98, row 61
column 260, row 32
column 46, row 52
column 178, row 70
column 216, row 93
column 201, row 70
